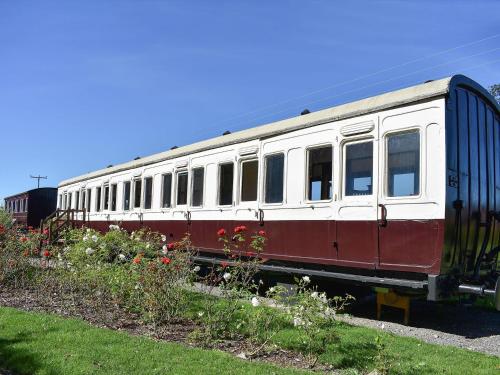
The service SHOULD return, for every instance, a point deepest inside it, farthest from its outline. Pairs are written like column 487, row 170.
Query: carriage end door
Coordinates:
column 409, row 225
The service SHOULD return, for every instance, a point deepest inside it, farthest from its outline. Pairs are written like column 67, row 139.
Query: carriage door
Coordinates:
column 357, row 205
column 408, row 229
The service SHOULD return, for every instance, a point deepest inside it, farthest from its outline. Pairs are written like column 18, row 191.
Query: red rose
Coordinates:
column 23, row 239
column 262, row 233
column 165, row 260
column 2, row 229
column 46, row 253
column 136, row 260
column 26, row 253
column 240, row 229
column 221, row 232
column 224, row 264
column 171, row 246
column 45, row 231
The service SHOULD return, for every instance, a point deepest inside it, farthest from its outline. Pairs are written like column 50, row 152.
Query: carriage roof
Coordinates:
column 424, row 91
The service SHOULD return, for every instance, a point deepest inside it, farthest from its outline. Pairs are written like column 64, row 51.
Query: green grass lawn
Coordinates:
column 36, row 343
column 355, row 351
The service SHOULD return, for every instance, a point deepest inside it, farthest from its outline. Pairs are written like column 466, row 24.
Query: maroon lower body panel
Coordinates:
column 409, row 246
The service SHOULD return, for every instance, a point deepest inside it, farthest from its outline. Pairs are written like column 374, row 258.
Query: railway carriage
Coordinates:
column 400, row 190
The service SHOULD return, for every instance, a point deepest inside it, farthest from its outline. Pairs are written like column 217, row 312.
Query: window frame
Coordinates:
column 134, row 185
column 219, row 167
column 374, row 194
column 143, row 198
column 385, row 163
column 98, row 201
column 113, row 186
column 163, row 190
column 176, row 190
column 264, row 179
column 240, row 180
column 124, row 196
column 306, row 173
column 105, row 196
column 191, row 187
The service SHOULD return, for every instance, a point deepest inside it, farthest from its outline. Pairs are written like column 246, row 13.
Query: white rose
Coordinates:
column 89, row 251
column 306, row 279
column 147, row 245
column 94, row 238
column 196, row 269
column 314, row 294
column 163, row 238
column 227, row 276
column 255, row 302
column 297, row 322
column 122, row 257
column 85, row 238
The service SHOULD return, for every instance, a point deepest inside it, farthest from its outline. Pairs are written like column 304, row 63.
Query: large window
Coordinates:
column 226, row 173
column 249, row 180
column 137, row 193
column 113, row 197
column 275, row 168
column 106, row 197
column 98, row 195
column 403, row 164
column 70, row 195
column 319, row 179
column 148, row 192
column 358, row 168
column 77, row 200
column 182, row 187
column 197, row 187
column 166, row 196
column 126, row 196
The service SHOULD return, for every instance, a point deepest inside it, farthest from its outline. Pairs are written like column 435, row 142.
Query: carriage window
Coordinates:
column 137, row 193
column 126, row 196
column 358, row 168
column 197, row 187
column 84, row 202
column 319, row 162
column 106, row 197
column 226, row 173
column 166, row 200
column 148, row 192
column 113, row 197
column 274, row 178
column 249, row 179
column 403, row 164
column 77, row 200
column 89, row 198
column 98, row 198
column 182, row 185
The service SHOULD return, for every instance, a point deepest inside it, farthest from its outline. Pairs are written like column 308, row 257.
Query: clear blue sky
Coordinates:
column 84, row 84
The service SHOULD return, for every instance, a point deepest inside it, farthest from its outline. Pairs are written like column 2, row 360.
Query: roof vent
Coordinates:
column 109, row 166
column 137, row 158
column 305, row 112
column 429, row 80
column 174, row 147
column 227, row 132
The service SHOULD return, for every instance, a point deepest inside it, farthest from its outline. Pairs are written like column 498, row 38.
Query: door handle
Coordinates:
column 383, row 216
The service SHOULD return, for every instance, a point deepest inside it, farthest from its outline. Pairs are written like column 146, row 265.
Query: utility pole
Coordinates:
column 39, row 178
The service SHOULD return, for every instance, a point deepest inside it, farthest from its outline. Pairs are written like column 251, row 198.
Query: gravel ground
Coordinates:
column 463, row 326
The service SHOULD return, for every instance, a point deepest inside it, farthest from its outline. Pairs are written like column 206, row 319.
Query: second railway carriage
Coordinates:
column 399, row 190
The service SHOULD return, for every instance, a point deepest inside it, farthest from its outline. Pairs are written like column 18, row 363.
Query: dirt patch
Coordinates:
column 112, row 316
